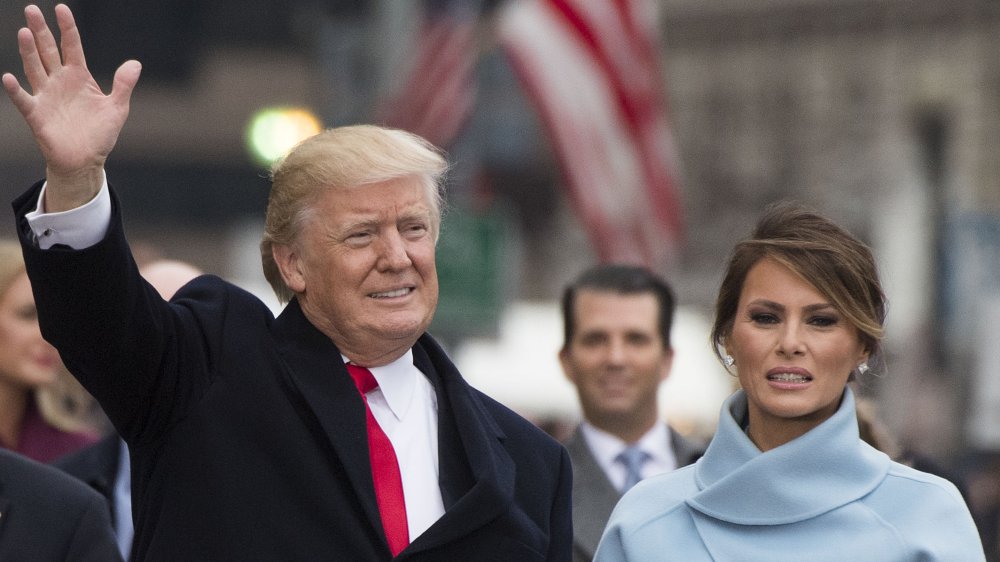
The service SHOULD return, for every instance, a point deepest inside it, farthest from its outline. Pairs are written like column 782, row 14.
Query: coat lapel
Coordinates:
column 318, row 379
column 685, row 450
column 481, row 440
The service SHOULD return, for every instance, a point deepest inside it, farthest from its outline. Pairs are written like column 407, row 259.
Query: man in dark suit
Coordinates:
column 46, row 516
column 617, row 352
column 339, row 430
column 104, row 467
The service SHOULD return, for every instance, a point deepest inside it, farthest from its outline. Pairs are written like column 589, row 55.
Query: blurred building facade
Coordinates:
column 885, row 115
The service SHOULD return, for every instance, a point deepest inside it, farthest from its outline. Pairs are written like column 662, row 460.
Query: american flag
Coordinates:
column 438, row 95
column 591, row 68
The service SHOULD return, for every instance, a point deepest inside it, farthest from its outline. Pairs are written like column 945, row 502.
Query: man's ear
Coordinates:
column 567, row 368
column 290, row 266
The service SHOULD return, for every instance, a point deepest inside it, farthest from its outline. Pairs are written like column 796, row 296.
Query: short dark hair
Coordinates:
column 623, row 280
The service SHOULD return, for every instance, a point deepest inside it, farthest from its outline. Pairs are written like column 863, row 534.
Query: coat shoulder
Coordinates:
column 212, row 291
column 927, row 512
column 516, row 425
column 44, row 486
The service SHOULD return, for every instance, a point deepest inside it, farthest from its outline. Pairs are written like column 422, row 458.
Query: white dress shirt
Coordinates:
column 606, row 447
column 404, row 404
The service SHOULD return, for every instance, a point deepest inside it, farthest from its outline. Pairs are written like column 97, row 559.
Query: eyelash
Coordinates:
column 763, row 318
column 769, row 318
column 409, row 228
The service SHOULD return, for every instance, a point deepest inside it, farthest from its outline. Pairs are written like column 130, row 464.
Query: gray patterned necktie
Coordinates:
column 633, row 458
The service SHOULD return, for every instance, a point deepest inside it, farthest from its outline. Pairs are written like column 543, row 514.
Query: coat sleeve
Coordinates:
column 143, row 359
column 949, row 533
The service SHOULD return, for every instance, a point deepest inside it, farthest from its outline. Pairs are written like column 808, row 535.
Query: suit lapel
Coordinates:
column 480, row 439
column 685, row 451
column 317, row 378
column 102, row 467
column 593, row 496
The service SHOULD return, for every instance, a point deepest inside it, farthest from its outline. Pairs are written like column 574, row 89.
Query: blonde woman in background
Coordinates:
column 43, row 410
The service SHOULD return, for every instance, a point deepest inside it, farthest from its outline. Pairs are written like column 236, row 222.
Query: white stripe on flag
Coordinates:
column 604, row 120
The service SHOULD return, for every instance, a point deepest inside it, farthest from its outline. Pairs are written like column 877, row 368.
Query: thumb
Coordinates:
column 125, row 80
column 18, row 96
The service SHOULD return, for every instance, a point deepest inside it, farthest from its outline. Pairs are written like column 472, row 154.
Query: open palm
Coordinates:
column 75, row 124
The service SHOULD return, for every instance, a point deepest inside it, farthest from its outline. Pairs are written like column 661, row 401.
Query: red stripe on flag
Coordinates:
column 638, row 98
column 438, row 95
column 620, row 135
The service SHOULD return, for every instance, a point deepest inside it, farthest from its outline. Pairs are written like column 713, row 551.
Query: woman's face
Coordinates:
column 26, row 360
column 793, row 351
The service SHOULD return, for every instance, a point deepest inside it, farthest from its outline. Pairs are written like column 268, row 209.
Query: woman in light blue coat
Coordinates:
column 786, row 477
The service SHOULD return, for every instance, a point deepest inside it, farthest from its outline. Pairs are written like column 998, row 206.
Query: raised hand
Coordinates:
column 74, row 123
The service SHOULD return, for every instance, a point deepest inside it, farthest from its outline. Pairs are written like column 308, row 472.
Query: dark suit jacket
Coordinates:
column 594, row 497
column 96, row 466
column 248, row 437
column 46, row 515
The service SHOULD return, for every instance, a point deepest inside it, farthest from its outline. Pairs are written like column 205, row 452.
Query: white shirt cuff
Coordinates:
column 77, row 228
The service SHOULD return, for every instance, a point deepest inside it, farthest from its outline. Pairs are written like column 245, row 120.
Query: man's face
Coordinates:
column 363, row 268
column 616, row 358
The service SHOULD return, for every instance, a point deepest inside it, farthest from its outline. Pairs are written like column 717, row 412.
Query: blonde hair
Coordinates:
column 11, row 264
column 343, row 158
column 65, row 404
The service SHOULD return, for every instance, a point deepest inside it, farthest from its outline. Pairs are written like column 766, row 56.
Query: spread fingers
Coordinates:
column 72, row 47
column 45, row 43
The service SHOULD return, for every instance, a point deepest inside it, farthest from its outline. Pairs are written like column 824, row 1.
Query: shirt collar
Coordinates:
column 606, row 446
column 396, row 383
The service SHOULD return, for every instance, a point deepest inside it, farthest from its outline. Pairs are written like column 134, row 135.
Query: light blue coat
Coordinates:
column 826, row 495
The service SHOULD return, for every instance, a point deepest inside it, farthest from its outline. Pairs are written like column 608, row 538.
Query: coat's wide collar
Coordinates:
column 824, row 469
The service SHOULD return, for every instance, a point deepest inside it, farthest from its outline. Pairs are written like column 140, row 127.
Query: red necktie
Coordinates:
column 385, row 469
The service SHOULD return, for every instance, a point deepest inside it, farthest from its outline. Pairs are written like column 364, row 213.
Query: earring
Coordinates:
column 728, row 361
column 863, row 368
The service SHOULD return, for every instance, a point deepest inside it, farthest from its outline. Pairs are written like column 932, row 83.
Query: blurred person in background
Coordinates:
column 982, row 472
column 787, row 477
column 43, row 410
column 48, row 516
column 105, row 465
column 874, row 432
column 616, row 351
